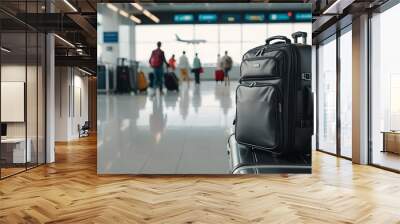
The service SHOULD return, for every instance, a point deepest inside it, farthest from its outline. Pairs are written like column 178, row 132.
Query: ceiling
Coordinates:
column 76, row 26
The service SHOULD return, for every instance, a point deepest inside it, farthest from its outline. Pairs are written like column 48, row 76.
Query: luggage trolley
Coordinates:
column 246, row 160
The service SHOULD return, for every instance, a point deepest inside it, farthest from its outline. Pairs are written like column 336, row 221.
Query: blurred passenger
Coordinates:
column 219, row 72
column 219, row 63
column 227, row 63
column 172, row 63
column 196, row 68
column 157, row 59
column 184, row 67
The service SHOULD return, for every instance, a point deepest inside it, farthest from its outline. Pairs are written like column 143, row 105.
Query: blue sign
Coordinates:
column 303, row 16
column 184, row 18
column 279, row 16
column 231, row 18
column 110, row 37
column 209, row 18
column 254, row 17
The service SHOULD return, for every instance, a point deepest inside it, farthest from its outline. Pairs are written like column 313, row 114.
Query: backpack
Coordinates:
column 274, row 101
column 156, row 58
column 228, row 62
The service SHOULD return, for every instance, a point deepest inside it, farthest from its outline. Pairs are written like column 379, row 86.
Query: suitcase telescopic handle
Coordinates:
column 301, row 34
column 268, row 41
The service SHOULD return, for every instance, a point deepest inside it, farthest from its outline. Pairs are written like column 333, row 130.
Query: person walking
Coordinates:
column 184, row 67
column 219, row 62
column 227, row 63
column 219, row 72
column 156, row 61
column 172, row 63
column 196, row 68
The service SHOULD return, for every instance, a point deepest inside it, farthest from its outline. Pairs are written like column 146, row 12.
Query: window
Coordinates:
column 327, row 96
column 22, row 88
column 237, row 39
column 346, row 94
column 305, row 27
column 385, row 89
column 285, row 29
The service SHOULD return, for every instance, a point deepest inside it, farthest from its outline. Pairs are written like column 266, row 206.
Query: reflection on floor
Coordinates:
column 11, row 169
column 386, row 159
column 5, row 172
column 180, row 133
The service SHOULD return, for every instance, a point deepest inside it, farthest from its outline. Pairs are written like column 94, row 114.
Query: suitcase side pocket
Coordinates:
column 259, row 116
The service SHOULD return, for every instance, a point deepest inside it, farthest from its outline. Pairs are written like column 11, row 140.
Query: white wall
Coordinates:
column 109, row 21
column 70, row 83
column 12, row 73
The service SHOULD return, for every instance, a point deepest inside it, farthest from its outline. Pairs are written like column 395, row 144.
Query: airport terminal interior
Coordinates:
column 185, row 131
column 81, row 112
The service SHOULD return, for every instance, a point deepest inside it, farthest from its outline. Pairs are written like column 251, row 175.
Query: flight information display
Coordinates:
column 231, row 18
column 254, row 17
column 217, row 17
column 184, row 18
column 281, row 17
column 303, row 16
column 208, row 18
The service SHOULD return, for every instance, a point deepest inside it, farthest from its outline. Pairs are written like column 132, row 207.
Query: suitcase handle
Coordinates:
column 268, row 40
column 301, row 34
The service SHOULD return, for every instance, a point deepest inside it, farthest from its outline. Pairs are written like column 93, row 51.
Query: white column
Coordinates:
column 110, row 23
column 360, row 90
column 50, row 99
column 132, row 41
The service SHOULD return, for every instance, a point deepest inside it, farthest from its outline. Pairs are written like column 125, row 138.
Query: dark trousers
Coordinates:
column 197, row 76
column 158, row 78
column 226, row 70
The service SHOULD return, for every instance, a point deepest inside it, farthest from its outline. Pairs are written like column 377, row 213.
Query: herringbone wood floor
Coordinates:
column 69, row 191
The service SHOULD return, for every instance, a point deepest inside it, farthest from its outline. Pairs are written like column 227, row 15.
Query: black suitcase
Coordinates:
column 124, row 77
column 245, row 160
column 171, row 81
column 274, row 102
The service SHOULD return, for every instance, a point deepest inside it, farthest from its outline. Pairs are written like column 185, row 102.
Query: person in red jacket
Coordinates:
column 172, row 63
column 156, row 61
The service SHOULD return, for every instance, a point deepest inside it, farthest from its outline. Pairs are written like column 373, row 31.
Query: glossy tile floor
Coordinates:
column 176, row 133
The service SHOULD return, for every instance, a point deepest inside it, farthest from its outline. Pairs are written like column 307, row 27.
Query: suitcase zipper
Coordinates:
column 260, row 58
column 266, row 50
column 258, row 78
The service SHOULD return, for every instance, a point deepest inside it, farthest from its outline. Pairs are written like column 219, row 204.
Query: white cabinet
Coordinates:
column 17, row 145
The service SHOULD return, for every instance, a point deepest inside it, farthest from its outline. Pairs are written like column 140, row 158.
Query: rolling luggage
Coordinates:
column 219, row 75
column 141, row 82
column 124, row 80
column 171, row 81
column 274, row 102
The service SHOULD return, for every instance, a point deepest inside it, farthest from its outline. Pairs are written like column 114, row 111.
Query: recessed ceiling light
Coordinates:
column 135, row 19
column 151, row 16
column 112, row 7
column 334, row 8
column 137, row 6
column 84, row 71
column 64, row 40
column 5, row 50
column 70, row 5
column 123, row 13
